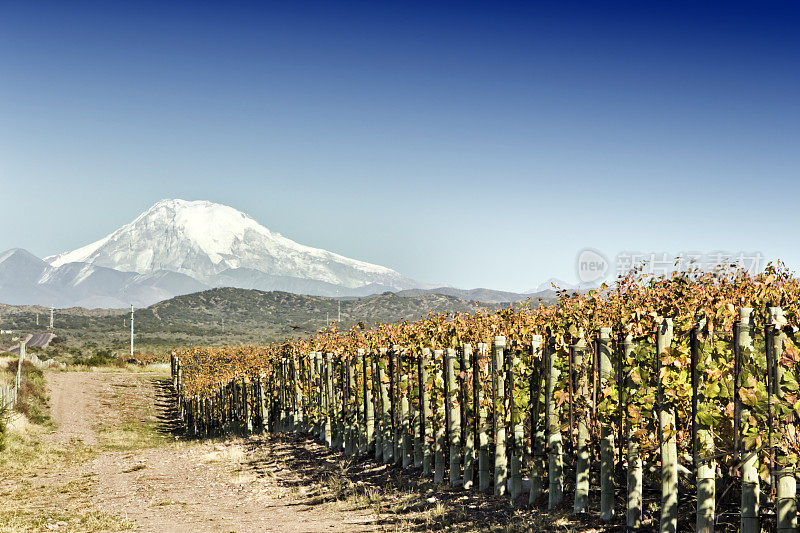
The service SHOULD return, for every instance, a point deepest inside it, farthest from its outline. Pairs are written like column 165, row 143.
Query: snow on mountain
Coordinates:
column 559, row 284
column 26, row 279
column 208, row 241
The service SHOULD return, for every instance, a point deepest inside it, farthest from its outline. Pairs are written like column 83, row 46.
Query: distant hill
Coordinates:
column 488, row 296
column 230, row 316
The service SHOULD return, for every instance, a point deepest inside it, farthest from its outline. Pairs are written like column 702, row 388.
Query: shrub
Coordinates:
column 100, row 358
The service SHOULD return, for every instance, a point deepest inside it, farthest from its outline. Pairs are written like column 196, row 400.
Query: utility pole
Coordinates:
column 131, row 330
column 37, row 319
column 51, row 317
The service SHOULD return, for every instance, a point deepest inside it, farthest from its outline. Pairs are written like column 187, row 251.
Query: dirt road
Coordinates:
column 153, row 481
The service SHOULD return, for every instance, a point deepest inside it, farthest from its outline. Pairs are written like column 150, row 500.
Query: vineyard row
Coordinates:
column 698, row 411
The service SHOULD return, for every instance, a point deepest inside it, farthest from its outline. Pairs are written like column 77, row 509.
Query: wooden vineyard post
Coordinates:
column 323, row 395
column 425, row 411
column 578, row 355
column 750, row 482
column 669, row 447
column 354, row 404
column 606, row 431
column 246, row 404
column 785, row 481
column 286, row 394
column 340, row 403
column 517, row 430
column 484, row 477
column 298, row 393
column 467, row 388
column 236, row 417
column 347, row 414
column 361, row 420
column 285, row 398
column 313, row 418
column 454, row 421
column 416, row 407
column 386, row 425
column 499, row 396
column 635, row 487
column 262, row 411
column 397, row 425
column 328, row 431
column 537, row 430
column 703, row 447
column 305, row 371
column 554, row 445
column 335, row 378
column 288, row 386
column 405, row 410
column 320, row 394
column 369, row 406
column 438, row 421
column 377, row 404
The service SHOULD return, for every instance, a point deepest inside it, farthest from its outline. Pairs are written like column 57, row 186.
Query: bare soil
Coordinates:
column 155, row 481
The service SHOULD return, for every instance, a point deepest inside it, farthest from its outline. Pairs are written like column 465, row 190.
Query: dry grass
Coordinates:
column 31, row 502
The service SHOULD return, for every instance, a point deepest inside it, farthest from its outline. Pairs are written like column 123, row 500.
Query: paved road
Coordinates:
column 40, row 339
column 37, row 339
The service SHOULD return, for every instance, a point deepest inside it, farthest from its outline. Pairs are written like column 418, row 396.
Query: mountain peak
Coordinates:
column 205, row 241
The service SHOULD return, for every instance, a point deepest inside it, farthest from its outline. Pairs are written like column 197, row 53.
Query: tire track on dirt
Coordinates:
column 176, row 485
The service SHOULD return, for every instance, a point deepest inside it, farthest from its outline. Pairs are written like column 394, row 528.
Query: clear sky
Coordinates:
column 474, row 144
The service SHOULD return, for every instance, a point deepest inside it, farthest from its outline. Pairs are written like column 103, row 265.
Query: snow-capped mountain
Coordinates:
column 553, row 284
column 176, row 247
column 26, row 279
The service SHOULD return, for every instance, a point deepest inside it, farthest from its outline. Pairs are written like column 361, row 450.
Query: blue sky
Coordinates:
column 474, row 144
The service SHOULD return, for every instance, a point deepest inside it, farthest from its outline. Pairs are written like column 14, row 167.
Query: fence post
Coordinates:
column 498, row 397
column 328, row 430
column 484, row 480
column 425, row 411
column 405, row 410
column 363, row 438
column 467, row 428
column 669, row 448
column 750, row 482
column 635, row 488
column 247, row 405
column 702, row 446
column 298, row 393
column 438, row 422
column 353, row 421
column 555, row 451
column 578, row 354
column 319, row 396
column 378, row 403
column 538, row 442
column 369, row 402
column 606, row 431
column 18, row 382
column 416, row 407
column 386, row 406
column 455, row 419
column 396, row 409
column 517, row 430
column 262, row 403
column 786, row 483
